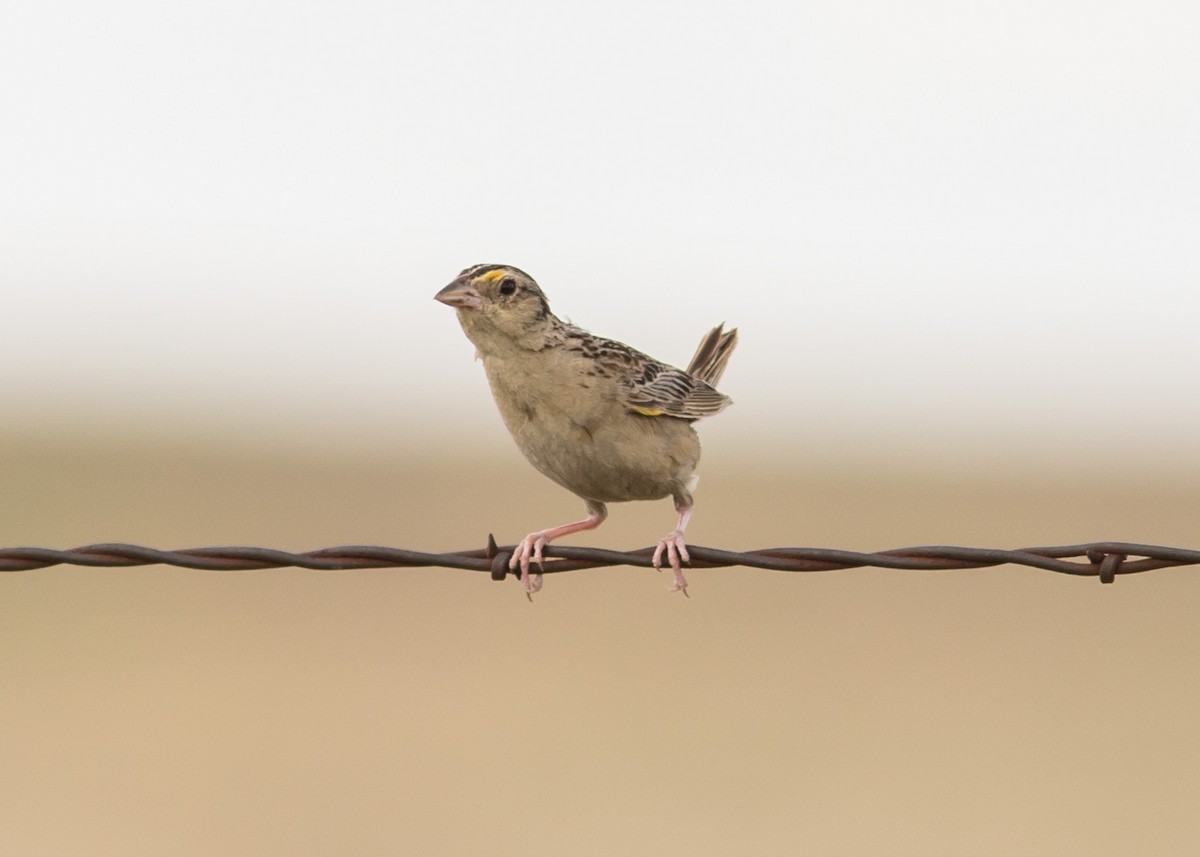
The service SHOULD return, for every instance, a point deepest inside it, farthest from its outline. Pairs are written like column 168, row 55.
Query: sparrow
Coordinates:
column 601, row 419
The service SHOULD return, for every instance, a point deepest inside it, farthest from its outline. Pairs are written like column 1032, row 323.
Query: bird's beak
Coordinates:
column 460, row 295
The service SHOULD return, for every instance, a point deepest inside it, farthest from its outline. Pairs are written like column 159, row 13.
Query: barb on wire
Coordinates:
column 1104, row 560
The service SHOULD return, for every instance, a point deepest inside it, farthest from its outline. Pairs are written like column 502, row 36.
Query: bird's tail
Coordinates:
column 713, row 354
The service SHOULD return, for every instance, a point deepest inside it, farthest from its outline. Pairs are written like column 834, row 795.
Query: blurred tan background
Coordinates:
column 160, row 710
column 960, row 244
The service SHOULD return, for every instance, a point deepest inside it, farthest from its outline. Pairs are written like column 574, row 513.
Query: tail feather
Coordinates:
column 712, row 354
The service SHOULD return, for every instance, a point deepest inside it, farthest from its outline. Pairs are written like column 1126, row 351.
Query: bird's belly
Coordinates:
column 624, row 457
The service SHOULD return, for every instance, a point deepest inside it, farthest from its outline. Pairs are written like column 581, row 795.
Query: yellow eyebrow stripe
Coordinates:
column 493, row 275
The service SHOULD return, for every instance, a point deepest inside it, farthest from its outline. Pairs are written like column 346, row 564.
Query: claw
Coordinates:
column 530, row 547
column 677, row 554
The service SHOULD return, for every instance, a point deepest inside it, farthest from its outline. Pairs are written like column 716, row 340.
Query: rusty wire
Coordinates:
column 1104, row 560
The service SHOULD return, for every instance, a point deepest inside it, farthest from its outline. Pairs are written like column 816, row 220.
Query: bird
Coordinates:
column 601, row 419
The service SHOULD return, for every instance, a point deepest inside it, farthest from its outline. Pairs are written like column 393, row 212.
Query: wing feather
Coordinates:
column 651, row 388
column 658, row 390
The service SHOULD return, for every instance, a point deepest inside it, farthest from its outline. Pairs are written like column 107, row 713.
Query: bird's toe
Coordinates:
column 530, row 549
column 673, row 545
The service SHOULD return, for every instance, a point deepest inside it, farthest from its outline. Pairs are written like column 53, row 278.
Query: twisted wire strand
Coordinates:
column 1104, row 560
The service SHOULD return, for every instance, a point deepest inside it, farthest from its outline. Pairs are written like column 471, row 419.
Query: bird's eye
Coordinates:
column 508, row 286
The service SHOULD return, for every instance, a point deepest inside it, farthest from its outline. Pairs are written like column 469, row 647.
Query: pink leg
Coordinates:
column 676, row 550
column 531, row 546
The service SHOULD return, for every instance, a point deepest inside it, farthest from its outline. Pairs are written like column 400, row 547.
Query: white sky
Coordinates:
column 918, row 213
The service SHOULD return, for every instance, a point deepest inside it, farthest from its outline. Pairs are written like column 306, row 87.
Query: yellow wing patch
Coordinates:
column 650, row 412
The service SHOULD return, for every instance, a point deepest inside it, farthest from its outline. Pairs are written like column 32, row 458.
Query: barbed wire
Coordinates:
column 1104, row 560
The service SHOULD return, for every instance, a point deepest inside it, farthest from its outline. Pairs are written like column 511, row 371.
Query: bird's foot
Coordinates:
column 529, row 549
column 677, row 554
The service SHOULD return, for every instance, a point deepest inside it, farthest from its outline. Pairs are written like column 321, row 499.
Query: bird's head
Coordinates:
column 498, row 305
